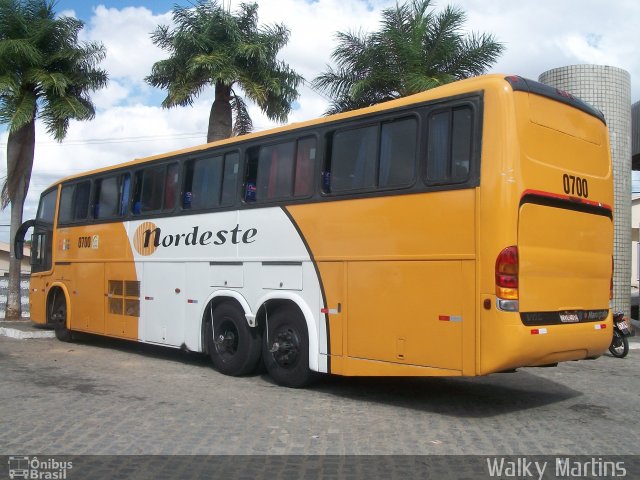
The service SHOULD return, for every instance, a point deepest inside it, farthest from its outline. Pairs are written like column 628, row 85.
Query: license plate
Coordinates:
column 622, row 325
column 569, row 318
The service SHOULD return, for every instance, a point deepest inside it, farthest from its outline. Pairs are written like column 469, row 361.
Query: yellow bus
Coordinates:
column 461, row 231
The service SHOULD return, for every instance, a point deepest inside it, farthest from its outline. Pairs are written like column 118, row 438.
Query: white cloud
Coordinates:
column 546, row 34
column 116, row 92
column 538, row 36
column 126, row 35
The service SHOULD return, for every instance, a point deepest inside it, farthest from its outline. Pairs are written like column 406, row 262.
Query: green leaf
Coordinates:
column 209, row 45
column 415, row 49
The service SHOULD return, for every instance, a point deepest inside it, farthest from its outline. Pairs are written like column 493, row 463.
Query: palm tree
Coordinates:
column 211, row 46
column 46, row 74
column 415, row 49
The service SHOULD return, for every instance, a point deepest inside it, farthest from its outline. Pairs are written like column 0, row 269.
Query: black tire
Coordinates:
column 234, row 347
column 285, row 349
column 58, row 317
column 619, row 345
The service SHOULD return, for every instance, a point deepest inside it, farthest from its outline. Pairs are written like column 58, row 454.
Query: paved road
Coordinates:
column 101, row 396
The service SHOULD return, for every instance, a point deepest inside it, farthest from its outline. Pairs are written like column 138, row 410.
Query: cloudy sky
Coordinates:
column 538, row 35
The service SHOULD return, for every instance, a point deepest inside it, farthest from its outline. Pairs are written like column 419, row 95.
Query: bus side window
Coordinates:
column 275, row 171
column 251, row 173
column 125, row 185
column 109, row 195
column 352, row 160
column 449, row 145
column 74, row 202
column 230, row 179
column 171, row 187
column 95, row 205
column 148, row 189
column 136, row 205
column 461, row 145
column 305, row 161
column 104, row 193
column 65, row 214
column 398, row 152
column 202, row 178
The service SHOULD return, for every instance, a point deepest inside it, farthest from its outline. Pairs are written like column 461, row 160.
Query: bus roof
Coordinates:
column 447, row 90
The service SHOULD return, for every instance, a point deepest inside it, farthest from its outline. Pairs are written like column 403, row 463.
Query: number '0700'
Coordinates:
column 575, row 185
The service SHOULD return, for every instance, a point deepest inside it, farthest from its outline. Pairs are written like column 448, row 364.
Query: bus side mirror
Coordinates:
column 18, row 241
column 17, row 248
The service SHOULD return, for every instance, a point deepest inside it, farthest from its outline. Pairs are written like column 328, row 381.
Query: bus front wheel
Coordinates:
column 234, row 347
column 285, row 349
column 58, row 317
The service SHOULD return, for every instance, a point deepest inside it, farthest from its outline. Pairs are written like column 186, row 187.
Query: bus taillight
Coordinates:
column 507, row 278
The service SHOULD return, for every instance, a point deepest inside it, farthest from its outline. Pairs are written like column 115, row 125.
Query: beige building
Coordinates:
column 4, row 260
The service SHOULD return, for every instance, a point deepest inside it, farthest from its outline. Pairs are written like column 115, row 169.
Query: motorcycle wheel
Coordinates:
column 619, row 345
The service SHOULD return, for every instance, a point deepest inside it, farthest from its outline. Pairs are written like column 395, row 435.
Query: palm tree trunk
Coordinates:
column 20, row 150
column 220, row 120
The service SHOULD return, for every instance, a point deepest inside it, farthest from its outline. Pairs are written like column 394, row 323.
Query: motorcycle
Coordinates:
column 619, row 347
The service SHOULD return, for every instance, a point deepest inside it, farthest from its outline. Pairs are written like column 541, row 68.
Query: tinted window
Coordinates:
column 171, row 187
column 210, row 182
column 230, row 178
column 373, row 157
column 66, row 204
column 280, row 170
column 305, row 161
column 111, row 196
column 353, row 159
column 47, row 206
column 74, row 202
column 449, row 152
column 461, row 147
column 438, row 153
column 202, row 183
column 275, row 171
column 155, row 188
column 397, row 152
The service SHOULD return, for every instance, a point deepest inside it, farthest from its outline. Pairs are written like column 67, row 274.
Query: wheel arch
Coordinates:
column 65, row 291
column 278, row 299
column 215, row 299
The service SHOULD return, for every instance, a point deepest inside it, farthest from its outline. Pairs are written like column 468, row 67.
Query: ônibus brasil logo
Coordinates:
column 149, row 237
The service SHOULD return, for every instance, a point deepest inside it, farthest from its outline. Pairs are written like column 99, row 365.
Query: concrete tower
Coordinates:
column 609, row 89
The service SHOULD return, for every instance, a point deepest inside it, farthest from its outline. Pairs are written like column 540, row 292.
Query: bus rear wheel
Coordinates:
column 234, row 347
column 58, row 317
column 286, row 348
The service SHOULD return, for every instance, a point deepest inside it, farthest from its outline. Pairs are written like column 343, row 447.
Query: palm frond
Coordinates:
column 210, row 45
column 415, row 48
column 50, row 72
column 24, row 110
column 242, row 123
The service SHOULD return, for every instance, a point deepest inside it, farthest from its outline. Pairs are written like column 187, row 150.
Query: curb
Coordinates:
column 24, row 329
column 22, row 335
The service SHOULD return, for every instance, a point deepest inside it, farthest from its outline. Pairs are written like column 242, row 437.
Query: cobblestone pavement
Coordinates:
column 103, row 396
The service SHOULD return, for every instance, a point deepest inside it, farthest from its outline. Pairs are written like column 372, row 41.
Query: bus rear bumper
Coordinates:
column 506, row 343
